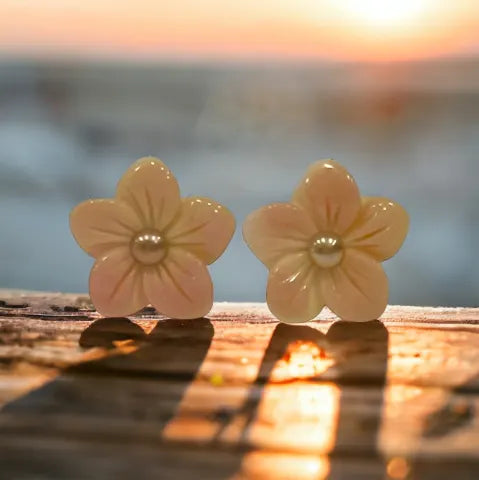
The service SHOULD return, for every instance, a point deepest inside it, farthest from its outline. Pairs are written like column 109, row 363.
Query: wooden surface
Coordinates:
column 235, row 396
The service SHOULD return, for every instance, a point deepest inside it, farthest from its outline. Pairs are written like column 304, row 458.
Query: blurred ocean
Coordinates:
column 244, row 135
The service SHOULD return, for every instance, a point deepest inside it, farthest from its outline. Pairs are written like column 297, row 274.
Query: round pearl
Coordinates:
column 148, row 247
column 327, row 250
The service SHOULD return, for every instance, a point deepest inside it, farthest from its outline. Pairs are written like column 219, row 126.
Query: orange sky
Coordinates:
column 345, row 29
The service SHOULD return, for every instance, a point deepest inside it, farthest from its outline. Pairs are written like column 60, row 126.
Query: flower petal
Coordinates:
column 380, row 229
column 180, row 287
column 103, row 224
column 152, row 191
column 293, row 293
column 330, row 195
column 116, row 289
column 203, row 227
column 276, row 230
column 356, row 290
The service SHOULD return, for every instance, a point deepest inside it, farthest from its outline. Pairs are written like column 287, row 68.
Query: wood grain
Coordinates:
column 236, row 395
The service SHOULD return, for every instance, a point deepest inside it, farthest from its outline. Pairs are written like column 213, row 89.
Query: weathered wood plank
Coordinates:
column 73, row 459
column 346, row 352
column 236, row 395
column 300, row 418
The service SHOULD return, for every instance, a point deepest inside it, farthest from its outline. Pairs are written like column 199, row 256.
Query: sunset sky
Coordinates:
column 225, row 29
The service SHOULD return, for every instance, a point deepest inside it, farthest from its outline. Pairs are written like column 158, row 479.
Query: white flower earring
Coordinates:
column 151, row 246
column 325, row 248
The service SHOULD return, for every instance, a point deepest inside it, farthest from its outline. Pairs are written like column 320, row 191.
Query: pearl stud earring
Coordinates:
column 150, row 245
column 325, row 248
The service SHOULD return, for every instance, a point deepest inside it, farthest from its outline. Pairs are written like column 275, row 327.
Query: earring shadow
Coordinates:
column 106, row 331
column 173, row 348
column 133, row 392
column 361, row 353
column 283, row 335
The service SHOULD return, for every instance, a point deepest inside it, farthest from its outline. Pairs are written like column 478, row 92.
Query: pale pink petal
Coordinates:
column 356, row 290
column 103, row 224
column 380, row 229
column 276, row 230
column 293, row 291
column 116, row 288
column 330, row 195
column 152, row 191
column 179, row 287
column 202, row 227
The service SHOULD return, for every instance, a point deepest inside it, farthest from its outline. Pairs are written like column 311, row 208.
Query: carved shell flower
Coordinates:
column 325, row 248
column 151, row 246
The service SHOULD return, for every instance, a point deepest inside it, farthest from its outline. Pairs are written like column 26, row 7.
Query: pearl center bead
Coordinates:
column 148, row 247
column 327, row 250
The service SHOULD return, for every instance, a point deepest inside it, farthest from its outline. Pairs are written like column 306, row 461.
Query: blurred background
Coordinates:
column 238, row 97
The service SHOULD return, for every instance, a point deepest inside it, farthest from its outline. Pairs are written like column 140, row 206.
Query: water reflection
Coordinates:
column 242, row 134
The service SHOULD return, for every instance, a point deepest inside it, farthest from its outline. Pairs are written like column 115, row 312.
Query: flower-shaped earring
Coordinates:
column 150, row 245
column 325, row 248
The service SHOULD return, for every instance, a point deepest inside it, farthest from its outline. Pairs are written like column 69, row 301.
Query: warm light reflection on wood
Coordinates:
column 413, row 380
column 398, row 468
column 285, row 466
column 302, row 360
column 300, row 415
column 294, row 407
column 297, row 415
column 230, row 398
column 406, row 408
column 27, row 379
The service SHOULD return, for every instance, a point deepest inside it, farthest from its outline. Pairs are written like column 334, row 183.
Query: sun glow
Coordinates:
column 185, row 29
column 385, row 13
